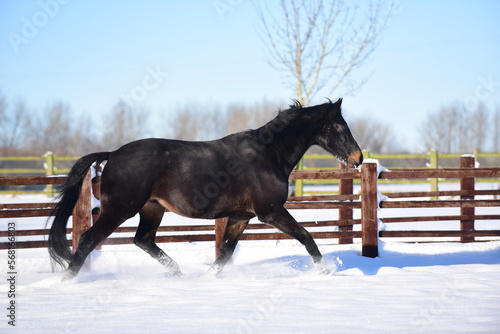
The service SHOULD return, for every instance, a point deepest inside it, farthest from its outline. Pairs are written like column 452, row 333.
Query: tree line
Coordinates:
column 456, row 128
column 24, row 131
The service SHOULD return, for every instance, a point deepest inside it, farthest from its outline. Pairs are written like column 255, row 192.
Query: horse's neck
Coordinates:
column 288, row 145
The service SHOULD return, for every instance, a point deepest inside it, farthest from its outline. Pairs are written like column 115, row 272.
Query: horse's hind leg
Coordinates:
column 103, row 227
column 151, row 215
column 234, row 230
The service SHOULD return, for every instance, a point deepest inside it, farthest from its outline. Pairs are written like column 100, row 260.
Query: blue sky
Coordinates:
column 165, row 54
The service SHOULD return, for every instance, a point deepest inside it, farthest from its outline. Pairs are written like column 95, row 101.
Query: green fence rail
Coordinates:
column 48, row 166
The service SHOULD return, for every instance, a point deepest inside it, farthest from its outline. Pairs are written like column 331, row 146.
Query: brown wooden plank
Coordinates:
column 452, row 173
column 325, row 198
column 169, row 228
column 316, row 235
column 31, row 180
column 25, row 213
column 443, row 193
column 439, row 204
column 26, row 244
column 322, row 205
column 23, row 233
column 162, row 238
column 324, row 174
column 17, row 206
column 341, row 223
column 437, row 218
column 438, row 234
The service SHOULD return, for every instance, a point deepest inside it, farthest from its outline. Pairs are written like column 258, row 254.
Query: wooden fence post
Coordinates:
column 345, row 188
column 467, row 184
column 82, row 212
column 49, row 171
column 369, row 206
column 299, row 183
column 433, row 163
column 220, row 227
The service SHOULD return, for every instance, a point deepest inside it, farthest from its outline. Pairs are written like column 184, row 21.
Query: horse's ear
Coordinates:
column 334, row 108
column 331, row 109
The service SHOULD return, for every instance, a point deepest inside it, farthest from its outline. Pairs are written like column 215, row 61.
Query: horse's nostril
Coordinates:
column 355, row 159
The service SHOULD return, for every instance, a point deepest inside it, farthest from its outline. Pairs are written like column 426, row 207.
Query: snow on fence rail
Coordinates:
column 342, row 228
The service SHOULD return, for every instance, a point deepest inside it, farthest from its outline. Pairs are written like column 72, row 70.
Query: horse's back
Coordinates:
column 196, row 179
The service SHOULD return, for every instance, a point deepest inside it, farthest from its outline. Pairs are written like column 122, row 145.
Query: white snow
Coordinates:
column 269, row 287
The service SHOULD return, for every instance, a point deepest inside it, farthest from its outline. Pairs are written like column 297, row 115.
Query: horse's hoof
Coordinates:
column 175, row 273
column 325, row 271
column 68, row 277
column 213, row 271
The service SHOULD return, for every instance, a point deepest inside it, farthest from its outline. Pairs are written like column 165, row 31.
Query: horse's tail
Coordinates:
column 70, row 191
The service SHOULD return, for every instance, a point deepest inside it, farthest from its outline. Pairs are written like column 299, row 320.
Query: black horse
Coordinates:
column 239, row 176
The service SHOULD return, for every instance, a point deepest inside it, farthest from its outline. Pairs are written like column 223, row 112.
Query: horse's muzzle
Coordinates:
column 355, row 159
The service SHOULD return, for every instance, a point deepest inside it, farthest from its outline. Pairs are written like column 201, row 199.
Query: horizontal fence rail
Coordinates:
column 80, row 216
column 51, row 164
column 394, row 161
column 344, row 226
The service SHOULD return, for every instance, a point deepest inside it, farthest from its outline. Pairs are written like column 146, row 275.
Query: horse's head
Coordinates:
column 336, row 138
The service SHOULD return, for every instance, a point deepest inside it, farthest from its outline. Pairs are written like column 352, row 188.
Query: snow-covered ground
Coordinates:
column 269, row 287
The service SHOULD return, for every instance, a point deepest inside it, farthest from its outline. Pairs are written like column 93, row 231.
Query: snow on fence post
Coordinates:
column 82, row 212
column 369, row 206
column 345, row 213
column 220, row 227
column 466, row 185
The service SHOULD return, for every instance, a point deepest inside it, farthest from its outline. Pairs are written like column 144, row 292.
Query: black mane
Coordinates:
column 296, row 110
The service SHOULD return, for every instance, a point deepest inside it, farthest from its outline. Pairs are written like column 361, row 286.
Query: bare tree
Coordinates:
column 477, row 127
column 320, row 43
column 495, row 146
column 85, row 139
column 4, row 127
column 186, row 124
column 238, row 118
column 52, row 130
column 241, row 117
column 195, row 121
column 373, row 135
column 124, row 124
column 456, row 129
column 13, row 134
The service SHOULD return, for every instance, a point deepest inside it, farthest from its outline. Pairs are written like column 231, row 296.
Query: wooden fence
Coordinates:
column 81, row 212
column 346, row 202
column 432, row 159
column 50, row 164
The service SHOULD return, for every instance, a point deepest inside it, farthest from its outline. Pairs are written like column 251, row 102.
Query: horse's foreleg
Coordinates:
column 233, row 232
column 282, row 220
column 151, row 215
